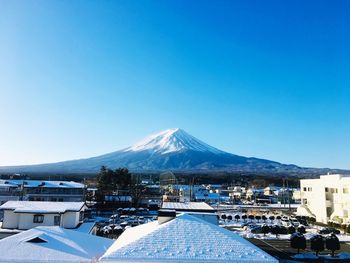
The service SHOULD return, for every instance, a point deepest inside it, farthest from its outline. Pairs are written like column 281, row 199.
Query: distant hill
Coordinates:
column 172, row 149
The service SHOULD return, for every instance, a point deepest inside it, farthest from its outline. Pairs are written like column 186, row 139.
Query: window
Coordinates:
column 326, row 189
column 345, row 190
column 57, row 220
column 38, row 219
column 304, row 189
column 36, row 240
column 81, row 216
column 309, row 189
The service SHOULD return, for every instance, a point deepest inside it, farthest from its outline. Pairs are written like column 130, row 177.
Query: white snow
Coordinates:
column 188, row 206
column 42, row 207
column 39, row 183
column 61, row 245
column 171, row 140
column 86, row 227
column 183, row 239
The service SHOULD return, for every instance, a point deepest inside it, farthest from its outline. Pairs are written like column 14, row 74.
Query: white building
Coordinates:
column 198, row 209
column 183, row 239
column 24, row 215
column 52, row 244
column 327, row 198
column 38, row 190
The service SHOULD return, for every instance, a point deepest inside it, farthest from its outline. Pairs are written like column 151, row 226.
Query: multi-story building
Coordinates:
column 37, row 190
column 327, row 198
column 25, row 215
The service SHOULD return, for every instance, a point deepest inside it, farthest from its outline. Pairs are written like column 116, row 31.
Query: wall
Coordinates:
column 70, row 219
column 10, row 219
column 26, row 220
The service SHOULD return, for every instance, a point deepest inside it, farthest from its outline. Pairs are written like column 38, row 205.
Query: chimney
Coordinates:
column 165, row 216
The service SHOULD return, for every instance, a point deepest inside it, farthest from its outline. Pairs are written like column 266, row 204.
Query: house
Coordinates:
column 38, row 190
column 183, row 238
column 52, row 244
column 24, row 215
column 326, row 198
column 198, row 209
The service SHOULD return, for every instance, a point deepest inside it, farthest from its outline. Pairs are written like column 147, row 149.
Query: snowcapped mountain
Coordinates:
column 172, row 149
column 171, row 141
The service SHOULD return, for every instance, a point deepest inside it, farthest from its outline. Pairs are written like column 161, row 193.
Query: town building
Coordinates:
column 23, row 215
column 183, row 238
column 198, row 209
column 38, row 190
column 326, row 198
column 53, row 244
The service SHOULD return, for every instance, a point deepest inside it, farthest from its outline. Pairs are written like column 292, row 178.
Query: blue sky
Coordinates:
column 268, row 79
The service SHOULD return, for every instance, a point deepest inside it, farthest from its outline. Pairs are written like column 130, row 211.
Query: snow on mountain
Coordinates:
column 171, row 140
column 172, row 149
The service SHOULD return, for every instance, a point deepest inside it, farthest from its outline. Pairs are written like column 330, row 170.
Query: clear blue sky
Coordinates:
column 269, row 79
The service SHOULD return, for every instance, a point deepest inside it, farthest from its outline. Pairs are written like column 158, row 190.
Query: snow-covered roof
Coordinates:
column 42, row 207
column 52, row 244
column 207, row 196
column 40, row 183
column 187, row 206
column 183, row 239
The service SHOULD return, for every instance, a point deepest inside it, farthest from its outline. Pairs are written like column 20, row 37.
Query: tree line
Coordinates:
column 119, row 182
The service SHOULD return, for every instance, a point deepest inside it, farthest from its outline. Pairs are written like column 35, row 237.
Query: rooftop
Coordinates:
column 52, row 244
column 42, row 207
column 40, row 183
column 183, row 239
column 187, row 206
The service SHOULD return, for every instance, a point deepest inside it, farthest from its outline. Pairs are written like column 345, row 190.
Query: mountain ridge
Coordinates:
column 172, row 149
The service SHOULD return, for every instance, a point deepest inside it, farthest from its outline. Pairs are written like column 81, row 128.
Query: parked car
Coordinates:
column 328, row 230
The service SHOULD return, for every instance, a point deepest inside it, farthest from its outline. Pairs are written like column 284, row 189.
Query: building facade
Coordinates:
column 37, row 190
column 23, row 215
column 327, row 198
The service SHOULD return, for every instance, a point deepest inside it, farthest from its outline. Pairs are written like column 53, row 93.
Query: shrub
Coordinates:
column 291, row 230
column 237, row 217
column 275, row 230
column 265, row 229
column 317, row 243
column 301, row 229
column 332, row 243
column 298, row 241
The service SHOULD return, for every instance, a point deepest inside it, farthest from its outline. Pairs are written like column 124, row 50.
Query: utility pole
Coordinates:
column 288, row 193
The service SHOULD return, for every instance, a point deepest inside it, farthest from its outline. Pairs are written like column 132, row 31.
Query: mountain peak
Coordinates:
column 171, row 140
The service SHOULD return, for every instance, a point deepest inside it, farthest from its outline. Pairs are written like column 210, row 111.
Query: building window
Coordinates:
column 38, row 218
column 304, row 189
column 345, row 190
column 81, row 216
column 326, row 189
column 57, row 220
column 309, row 189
